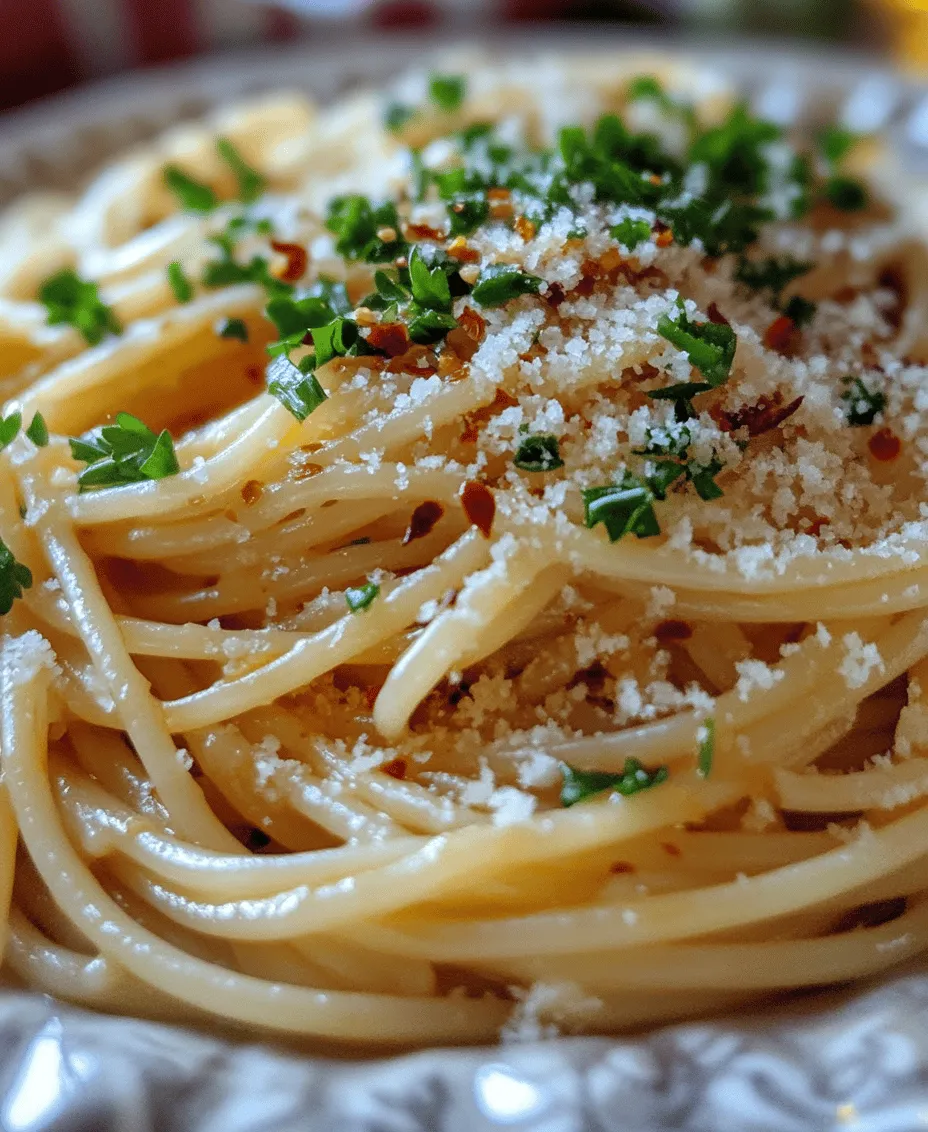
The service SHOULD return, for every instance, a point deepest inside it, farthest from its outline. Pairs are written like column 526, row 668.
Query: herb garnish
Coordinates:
column 38, row 431
column 501, row 282
column 710, row 346
column 861, row 404
column 77, row 302
column 773, row 275
column 396, row 115
column 706, row 748
column 360, row 597
column 630, row 233
column 251, row 184
column 232, row 328
column 180, row 284
column 447, row 91
column 125, row 452
column 9, row 427
column 299, row 392
column 623, row 508
column 538, row 452
column 14, row 578
column 580, row 785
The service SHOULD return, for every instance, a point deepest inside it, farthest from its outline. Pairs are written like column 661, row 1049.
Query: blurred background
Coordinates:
column 50, row 45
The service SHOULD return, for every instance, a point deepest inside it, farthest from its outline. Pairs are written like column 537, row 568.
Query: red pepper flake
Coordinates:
column 391, row 337
column 251, row 492
column 621, row 867
column 423, row 520
column 297, row 261
column 370, row 695
column 884, row 445
column 716, row 316
column 525, row 228
column 395, row 769
column 500, row 202
column 893, row 279
column 422, row 232
column 673, row 631
column 664, row 239
column 780, row 334
column 671, row 850
column 555, row 294
column 255, row 374
column 766, row 414
column 473, row 421
column 473, row 324
column 461, row 250
column 479, row 506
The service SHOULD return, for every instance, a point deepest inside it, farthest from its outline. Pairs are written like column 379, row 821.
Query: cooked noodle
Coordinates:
column 292, row 733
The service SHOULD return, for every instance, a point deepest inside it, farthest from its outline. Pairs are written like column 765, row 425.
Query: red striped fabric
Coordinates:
column 162, row 31
column 39, row 52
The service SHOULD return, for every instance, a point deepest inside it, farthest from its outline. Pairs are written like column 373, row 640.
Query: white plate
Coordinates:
column 857, row 1060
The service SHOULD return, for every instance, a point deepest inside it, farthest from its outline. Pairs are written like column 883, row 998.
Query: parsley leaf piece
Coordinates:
column 845, row 193
column 800, row 311
column 38, row 431
column 466, row 214
column 682, row 395
column 702, row 477
column 426, row 327
column 623, row 508
column 861, row 404
column 356, row 222
column 772, row 274
column 72, row 300
column 9, row 427
column 125, row 452
column 300, row 393
column 294, row 318
column 501, row 282
column 710, row 346
column 630, row 233
column 360, row 597
column 836, row 143
column 232, row 328
column 447, row 91
column 706, row 748
column 647, row 87
column 191, row 194
column 180, row 284
column 14, row 578
column 429, row 284
column 734, row 153
column 580, row 785
column 396, row 115
column 539, row 452
column 251, row 184
column 663, row 442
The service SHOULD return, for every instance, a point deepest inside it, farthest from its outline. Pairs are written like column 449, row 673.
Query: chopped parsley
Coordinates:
column 14, row 578
column 232, row 328
column 845, row 193
column 836, row 143
column 861, row 405
column 773, row 274
column 251, row 184
column 580, row 784
column 191, row 194
column 447, row 91
column 9, row 427
column 360, row 597
column 125, row 452
column 630, row 233
column 682, row 395
column 800, row 311
column 710, row 346
column 300, row 393
column 356, row 223
column 501, row 282
column 180, row 284
column 76, row 302
column 706, row 748
column 538, row 452
column 38, row 431
column 396, row 115
column 624, row 508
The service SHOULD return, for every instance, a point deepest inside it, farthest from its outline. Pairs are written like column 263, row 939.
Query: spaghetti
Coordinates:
column 464, row 563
